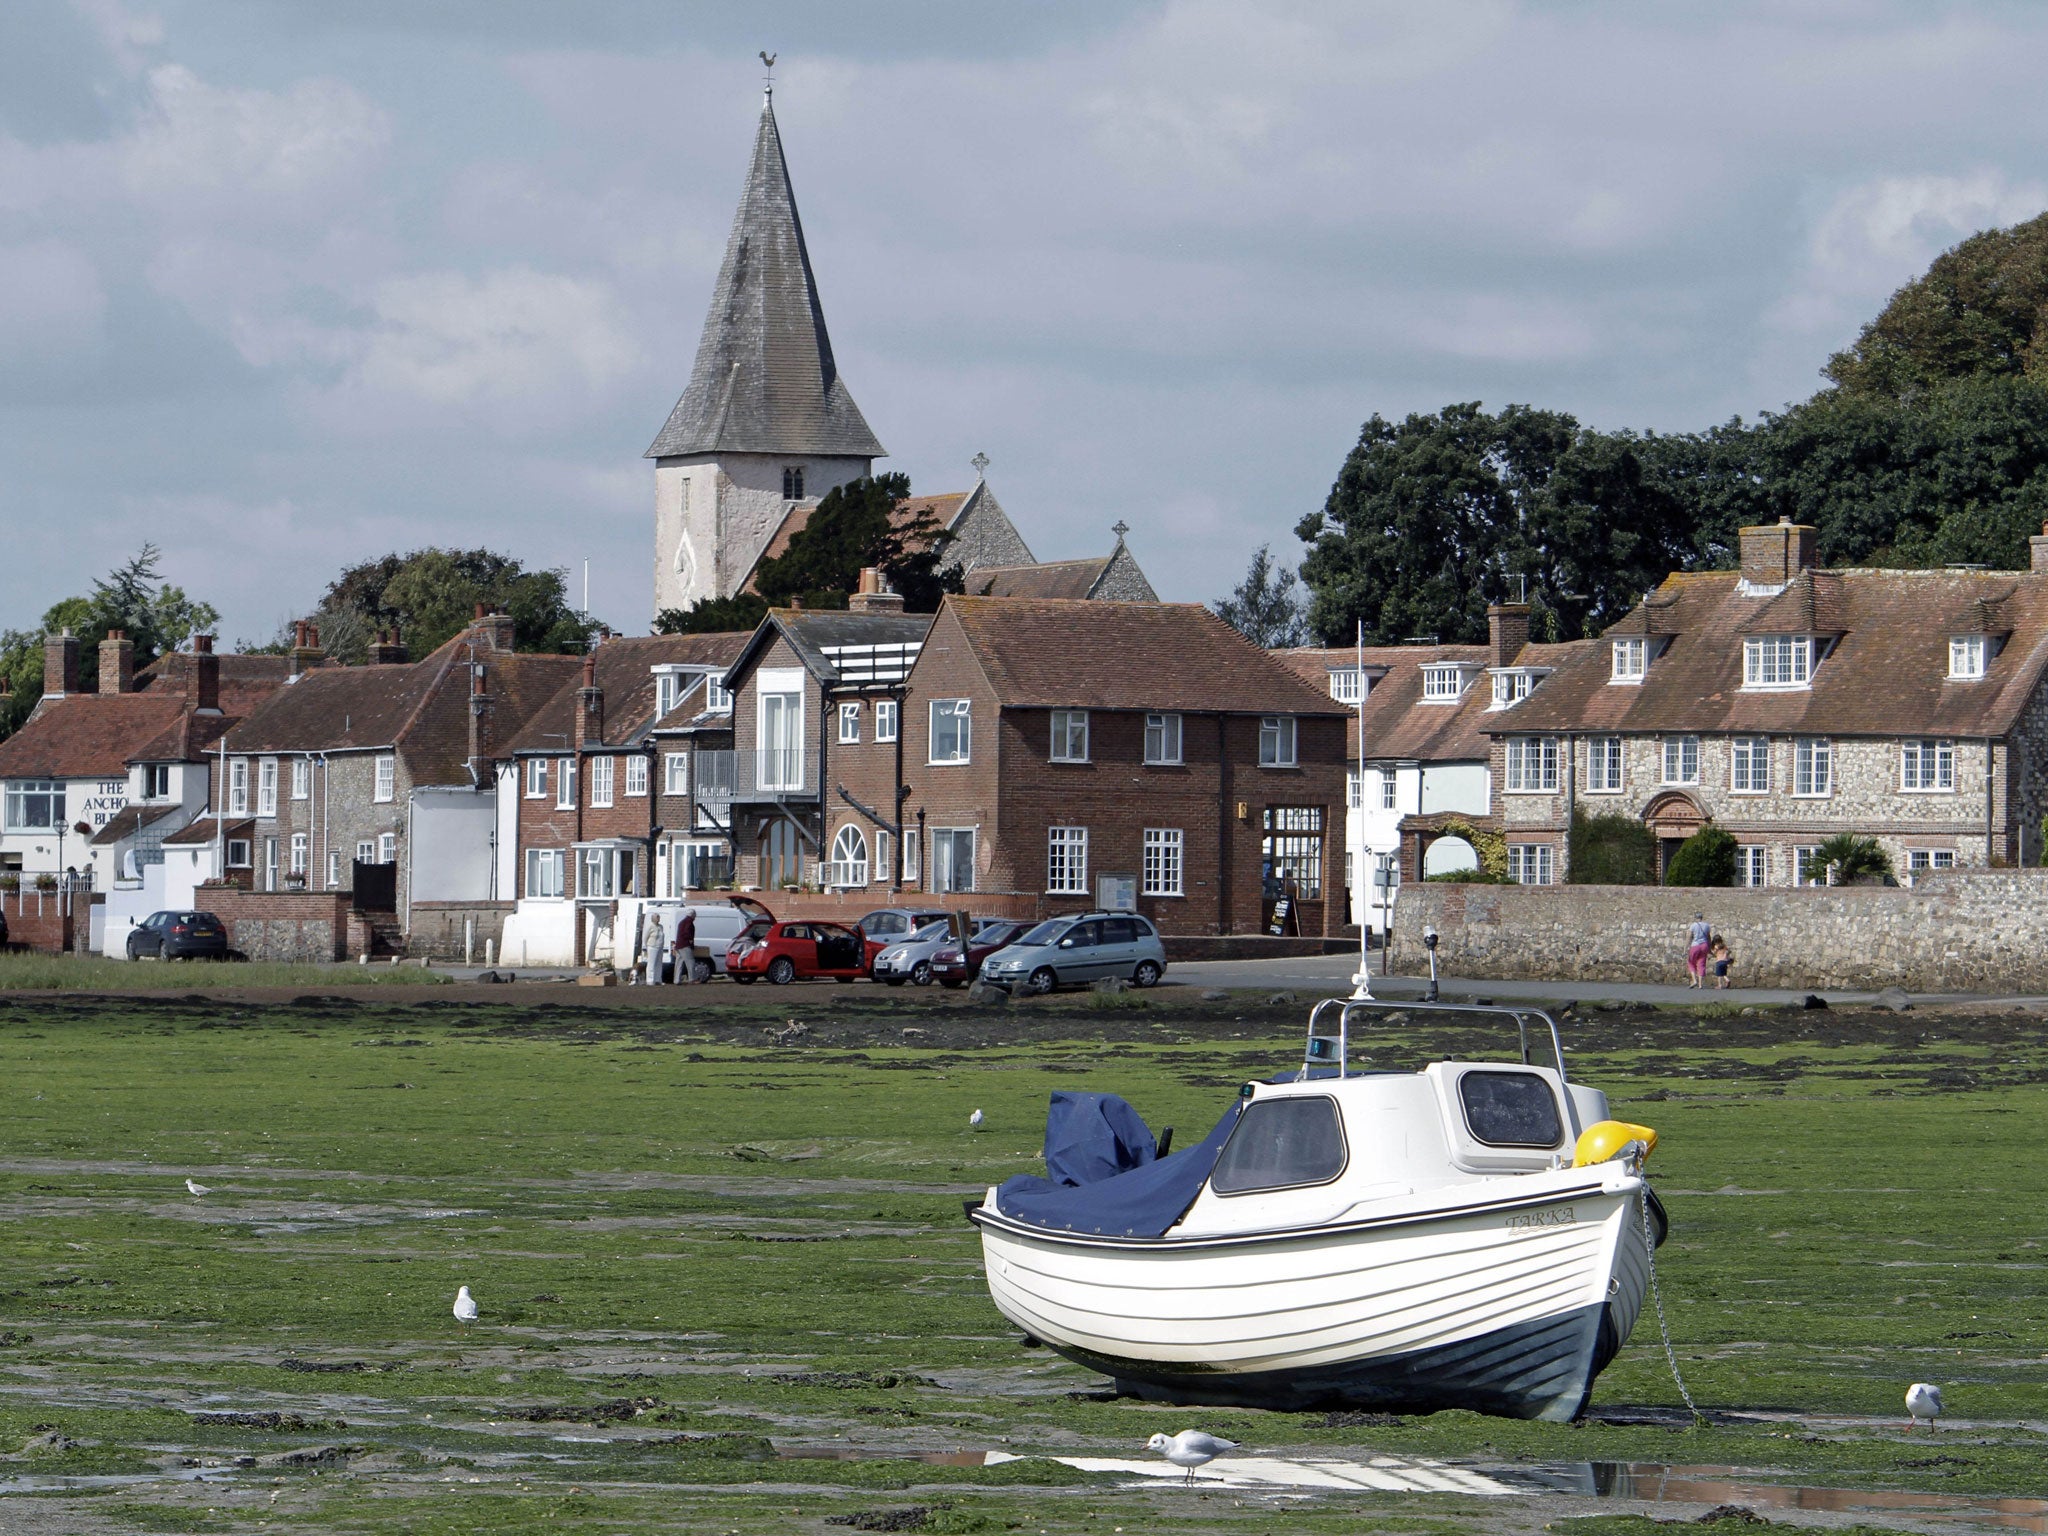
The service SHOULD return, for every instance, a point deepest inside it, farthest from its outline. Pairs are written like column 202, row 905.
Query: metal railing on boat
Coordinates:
column 1326, row 1050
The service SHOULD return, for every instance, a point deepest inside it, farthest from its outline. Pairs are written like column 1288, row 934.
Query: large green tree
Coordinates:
column 430, row 594
column 1266, row 606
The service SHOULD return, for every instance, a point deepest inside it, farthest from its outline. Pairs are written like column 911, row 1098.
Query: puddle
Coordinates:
column 1655, row 1484
column 122, row 1480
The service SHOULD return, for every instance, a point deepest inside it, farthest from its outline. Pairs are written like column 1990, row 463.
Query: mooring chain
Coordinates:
column 1657, row 1297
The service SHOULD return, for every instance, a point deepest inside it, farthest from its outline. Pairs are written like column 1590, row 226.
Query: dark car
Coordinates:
column 794, row 951
column 949, row 969
column 179, row 936
column 3, row 926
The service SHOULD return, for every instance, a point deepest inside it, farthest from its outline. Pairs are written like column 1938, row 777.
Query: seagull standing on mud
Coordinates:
column 198, row 1189
column 1191, row 1448
column 1923, row 1401
column 465, row 1305
column 974, row 1120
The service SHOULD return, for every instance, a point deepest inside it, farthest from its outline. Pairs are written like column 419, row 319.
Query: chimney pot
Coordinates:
column 1507, row 631
column 202, row 678
column 1774, row 553
column 117, row 663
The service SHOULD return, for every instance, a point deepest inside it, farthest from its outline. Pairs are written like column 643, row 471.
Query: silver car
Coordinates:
column 911, row 959
column 1073, row 951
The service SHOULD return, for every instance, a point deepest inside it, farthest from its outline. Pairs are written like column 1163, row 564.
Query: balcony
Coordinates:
column 773, row 775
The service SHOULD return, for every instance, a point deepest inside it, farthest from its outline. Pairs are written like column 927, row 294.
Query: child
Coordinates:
column 1722, row 960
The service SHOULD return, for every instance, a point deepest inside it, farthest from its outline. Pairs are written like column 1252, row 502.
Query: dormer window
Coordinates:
column 1631, row 660
column 1443, row 684
column 1347, row 686
column 1513, row 684
column 1966, row 657
column 1777, row 661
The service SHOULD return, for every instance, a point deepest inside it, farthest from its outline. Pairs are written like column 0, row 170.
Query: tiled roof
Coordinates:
column 622, row 667
column 129, row 820
column 1887, row 674
column 245, row 681
column 87, row 735
column 1053, row 653
column 201, row 830
column 1402, row 726
column 1054, row 578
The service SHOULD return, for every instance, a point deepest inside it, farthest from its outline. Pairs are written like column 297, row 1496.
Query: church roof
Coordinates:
column 764, row 380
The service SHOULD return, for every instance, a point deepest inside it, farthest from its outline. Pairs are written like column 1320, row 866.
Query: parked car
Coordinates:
column 796, row 951
column 951, row 969
column 889, row 925
column 179, row 936
column 1073, row 951
column 910, row 959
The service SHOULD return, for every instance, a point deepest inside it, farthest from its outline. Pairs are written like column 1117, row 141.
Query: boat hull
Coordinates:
column 1504, row 1307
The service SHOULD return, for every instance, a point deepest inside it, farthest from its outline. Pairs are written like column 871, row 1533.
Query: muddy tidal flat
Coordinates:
column 725, row 1285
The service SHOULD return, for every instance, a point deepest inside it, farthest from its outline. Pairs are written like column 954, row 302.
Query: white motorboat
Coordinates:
column 1476, row 1234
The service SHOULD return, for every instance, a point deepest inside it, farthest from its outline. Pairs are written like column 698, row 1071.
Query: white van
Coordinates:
column 718, row 924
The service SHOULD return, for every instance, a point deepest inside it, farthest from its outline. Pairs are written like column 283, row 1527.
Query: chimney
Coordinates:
column 589, row 731
column 479, row 721
column 493, row 627
column 202, row 678
column 1774, row 553
column 60, row 665
column 2038, row 547
column 306, row 652
column 1507, row 631
column 874, row 595
column 388, row 649
column 117, row 663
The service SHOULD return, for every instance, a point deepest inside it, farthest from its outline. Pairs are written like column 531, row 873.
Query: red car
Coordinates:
column 949, row 970
column 791, row 951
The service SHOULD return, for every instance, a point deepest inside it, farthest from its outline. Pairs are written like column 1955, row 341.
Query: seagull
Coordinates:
column 465, row 1305
column 199, row 1189
column 1923, row 1401
column 975, row 1120
column 1191, row 1448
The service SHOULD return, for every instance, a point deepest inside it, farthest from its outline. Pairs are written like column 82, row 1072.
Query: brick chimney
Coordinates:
column 479, row 722
column 589, row 730
column 874, row 595
column 306, row 652
column 60, row 665
column 117, row 663
column 1507, row 631
column 388, row 649
column 2037, row 546
column 202, row 677
column 492, row 627
column 1774, row 553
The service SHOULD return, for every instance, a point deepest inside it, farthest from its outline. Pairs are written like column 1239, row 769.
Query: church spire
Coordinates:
column 764, row 380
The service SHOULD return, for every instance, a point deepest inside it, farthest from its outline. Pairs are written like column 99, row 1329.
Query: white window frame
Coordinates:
column 50, row 793
column 1066, row 861
column 953, row 836
column 849, row 723
column 536, row 778
column 1927, row 766
column 238, row 786
column 909, row 874
column 1753, row 864
column 334, row 869
column 366, row 851
column 300, row 855
column 717, row 697
column 1347, row 685
column 850, row 855
column 1967, row 656
column 386, row 770
column 1163, row 739
column 1804, row 859
column 1749, row 761
column 565, row 783
column 1774, row 663
column 387, row 848
column 1531, row 766
column 156, row 781
column 266, row 787
column 1165, row 862
column 669, row 688
column 1443, row 684
column 603, row 774
column 598, row 875
column 241, row 853
column 1354, row 789
column 302, row 778
column 1070, row 736
column 545, row 870
column 1606, row 765
column 1277, row 741
column 1813, row 768
column 1390, row 789
column 1631, row 661
column 636, row 777
column 885, row 853
column 1512, row 687
column 960, row 732
column 1532, row 863
column 885, row 719
column 1921, row 860
column 675, row 773
column 1678, row 760
column 270, row 865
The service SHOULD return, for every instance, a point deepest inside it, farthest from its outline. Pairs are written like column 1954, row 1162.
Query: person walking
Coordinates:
column 652, row 931
column 686, row 946
column 1698, row 937
column 1723, row 958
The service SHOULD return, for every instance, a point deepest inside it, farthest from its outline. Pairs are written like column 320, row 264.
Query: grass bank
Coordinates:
column 21, row 971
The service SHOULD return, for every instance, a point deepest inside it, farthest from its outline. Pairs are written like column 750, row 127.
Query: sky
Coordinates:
column 284, row 287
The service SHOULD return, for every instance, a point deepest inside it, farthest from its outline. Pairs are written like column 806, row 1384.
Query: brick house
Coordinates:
column 597, row 805
column 1050, row 755
column 1787, row 703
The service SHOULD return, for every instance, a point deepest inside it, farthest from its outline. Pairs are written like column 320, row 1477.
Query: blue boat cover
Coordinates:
column 1090, row 1137
column 1143, row 1201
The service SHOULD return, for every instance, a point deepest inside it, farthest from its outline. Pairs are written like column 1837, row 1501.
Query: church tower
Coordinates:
column 766, row 425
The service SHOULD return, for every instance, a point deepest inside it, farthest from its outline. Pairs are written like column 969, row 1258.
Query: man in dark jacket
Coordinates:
column 686, row 947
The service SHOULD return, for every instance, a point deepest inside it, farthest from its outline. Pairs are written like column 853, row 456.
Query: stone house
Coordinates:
column 1786, row 703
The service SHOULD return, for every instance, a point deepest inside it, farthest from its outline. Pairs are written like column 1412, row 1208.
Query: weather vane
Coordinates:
column 769, row 59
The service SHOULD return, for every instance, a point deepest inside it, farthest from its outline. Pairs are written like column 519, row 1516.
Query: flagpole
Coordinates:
column 1361, row 984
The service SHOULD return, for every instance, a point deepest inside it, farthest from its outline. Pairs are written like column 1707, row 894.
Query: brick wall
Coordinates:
column 438, row 927
column 282, row 925
column 48, row 921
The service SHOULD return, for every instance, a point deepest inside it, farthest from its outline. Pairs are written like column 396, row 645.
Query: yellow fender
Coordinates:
column 1601, row 1140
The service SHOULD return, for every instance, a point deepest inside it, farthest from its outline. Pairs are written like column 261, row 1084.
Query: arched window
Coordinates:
column 849, row 857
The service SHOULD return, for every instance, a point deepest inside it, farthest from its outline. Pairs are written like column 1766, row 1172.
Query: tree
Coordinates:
column 429, row 595
column 1612, row 849
column 1847, row 857
column 712, row 615
column 1705, row 858
column 1266, row 607
column 854, row 526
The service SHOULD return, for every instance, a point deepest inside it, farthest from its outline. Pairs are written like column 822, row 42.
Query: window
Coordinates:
column 885, row 719
column 675, row 773
column 1162, row 861
column 849, row 858
column 266, row 787
column 697, row 867
column 34, row 805
column 1752, row 865
column 636, row 776
column 1806, row 866
column 1511, row 688
column 849, row 723
column 1777, row 661
column 952, row 858
column 238, row 787
column 1681, row 759
column 605, row 872
column 1603, row 765
column 1066, row 861
column 270, row 864
column 1443, row 684
column 793, row 483
column 910, row 875
column 536, row 778
column 1813, row 767
column 1927, row 766
column 668, row 692
column 779, row 732
column 1930, row 858
column 1531, row 863
column 601, row 773
column 952, row 730
column 334, row 869
column 1070, row 735
column 156, row 781
column 1390, row 787
column 1532, row 764
column 1750, row 772
column 885, row 854
column 1966, row 656
column 544, row 873
column 366, row 852
column 301, row 847
column 1631, row 661
column 239, row 853
column 1510, row 1109
column 1281, row 1143
column 1354, row 789
column 781, row 855
column 565, row 783
column 302, row 778
column 1162, row 738
column 717, row 699
column 1276, row 741
column 1348, row 686
column 387, row 848
column 1293, row 848
column 386, row 777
